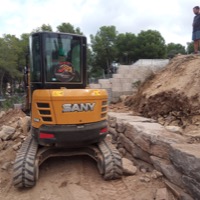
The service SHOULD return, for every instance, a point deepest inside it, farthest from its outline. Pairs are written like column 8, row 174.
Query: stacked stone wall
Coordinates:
column 164, row 148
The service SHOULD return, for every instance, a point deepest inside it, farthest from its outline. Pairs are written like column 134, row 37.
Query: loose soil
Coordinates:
column 171, row 96
column 71, row 178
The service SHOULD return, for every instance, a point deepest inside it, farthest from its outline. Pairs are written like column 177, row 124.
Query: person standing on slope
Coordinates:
column 196, row 28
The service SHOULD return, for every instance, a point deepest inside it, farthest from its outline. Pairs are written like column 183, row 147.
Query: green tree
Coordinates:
column 68, row 28
column 150, row 45
column 104, row 48
column 125, row 44
column 173, row 49
column 190, row 47
column 44, row 27
column 22, row 55
column 9, row 51
column 93, row 72
column 24, row 43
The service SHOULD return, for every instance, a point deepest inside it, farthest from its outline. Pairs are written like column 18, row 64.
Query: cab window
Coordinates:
column 63, row 62
column 35, row 59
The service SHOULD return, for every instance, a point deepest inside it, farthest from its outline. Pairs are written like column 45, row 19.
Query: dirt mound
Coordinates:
column 172, row 96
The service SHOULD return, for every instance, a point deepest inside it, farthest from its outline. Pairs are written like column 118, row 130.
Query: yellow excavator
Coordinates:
column 67, row 117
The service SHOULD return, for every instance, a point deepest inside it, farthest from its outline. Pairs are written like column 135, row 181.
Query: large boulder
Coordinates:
column 152, row 138
column 186, row 157
column 168, row 169
column 7, row 132
column 128, row 167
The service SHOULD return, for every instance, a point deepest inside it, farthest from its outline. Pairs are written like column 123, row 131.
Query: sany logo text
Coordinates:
column 78, row 107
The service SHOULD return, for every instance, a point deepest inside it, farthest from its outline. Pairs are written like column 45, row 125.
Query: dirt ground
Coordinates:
column 77, row 178
column 171, row 96
column 71, row 178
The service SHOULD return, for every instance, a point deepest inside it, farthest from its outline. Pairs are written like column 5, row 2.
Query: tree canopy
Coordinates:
column 44, row 27
column 104, row 46
column 10, row 60
column 151, row 45
column 68, row 28
column 173, row 49
column 107, row 46
column 125, row 45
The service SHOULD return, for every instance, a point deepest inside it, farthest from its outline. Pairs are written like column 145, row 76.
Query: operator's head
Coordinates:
column 196, row 10
column 61, row 52
column 61, row 55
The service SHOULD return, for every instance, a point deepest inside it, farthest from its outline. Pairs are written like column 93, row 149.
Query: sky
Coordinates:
column 172, row 18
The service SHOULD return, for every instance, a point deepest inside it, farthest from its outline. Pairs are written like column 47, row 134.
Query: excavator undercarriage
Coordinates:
column 31, row 156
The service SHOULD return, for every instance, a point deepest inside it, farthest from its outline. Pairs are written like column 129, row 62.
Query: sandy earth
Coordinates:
column 71, row 178
column 171, row 97
column 77, row 178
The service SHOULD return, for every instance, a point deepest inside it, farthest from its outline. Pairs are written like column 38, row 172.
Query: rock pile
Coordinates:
column 12, row 132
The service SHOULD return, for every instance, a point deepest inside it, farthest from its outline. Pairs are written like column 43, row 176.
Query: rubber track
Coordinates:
column 24, row 173
column 112, row 160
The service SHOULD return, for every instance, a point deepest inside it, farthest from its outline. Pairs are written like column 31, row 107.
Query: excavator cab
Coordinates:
column 57, row 60
column 67, row 118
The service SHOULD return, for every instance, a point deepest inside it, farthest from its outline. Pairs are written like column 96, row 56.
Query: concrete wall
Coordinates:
column 128, row 77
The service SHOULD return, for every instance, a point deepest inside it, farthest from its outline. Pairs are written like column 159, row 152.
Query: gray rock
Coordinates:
column 119, row 144
column 193, row 136
column 112, row 121
column 133, row 149
column 17, row 146
column 2, row 113
column 168, row 170
column 129, row 156
column 161, row 120
column 174, row 129
column 128, row 167
column 145, row 179
column 3, row 145
column 152, row 138
column 122, row 151
column 113, row 132
column 143, row 170
column 193, row 133
column 120, row 127
column 186, row 158
column 24, row 123
column 126, row 117
column 143, row 165
column 156, row 174
column 16, row 135
column 192, row 186
column 162, row 194
column 5, row 165
column 7, row 132
column 122, row 98
column 177, row 191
